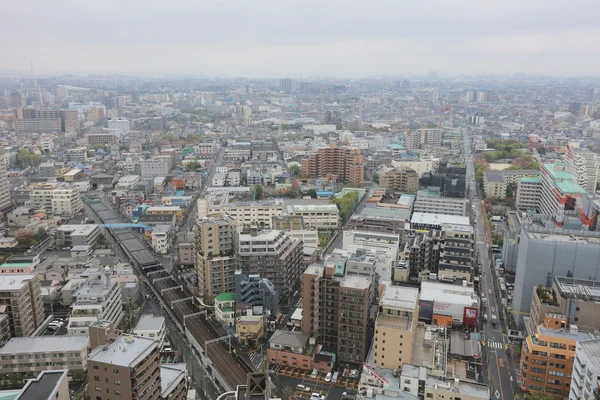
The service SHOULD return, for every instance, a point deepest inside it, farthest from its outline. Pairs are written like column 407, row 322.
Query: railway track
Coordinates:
column 227, row 365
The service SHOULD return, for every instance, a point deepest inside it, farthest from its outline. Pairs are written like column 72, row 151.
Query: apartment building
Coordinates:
column 55, row 198
column 21, row 296
column 187, row 253
column 548, row 355
column 153, row 167
column 153, row 327
column 5, row 199
column 256, row 291
column 456, row 252
column 99, row 298
column 120, row 126
column 337, row 163
column 44, row 353
column 400, row 179
column 298, row 350
column 585, row 164
column 273, row 255
column 77, row 235
column 395, row 326
column 174, row 382
column 127, row 367
column 440, row 205
column 48, row 385
column 559, row 190
column 101, row 139
column 165, row 210
column 216, row 260
column 161, row 241
column 76, row 154
column 316, row 216
column 377, row 223
column 585, row 379
column 31, row 120
column 336, row 310
column 494, row 185
column 529, row 191
column 577, row 299
column 249, row 214
column 250, row 330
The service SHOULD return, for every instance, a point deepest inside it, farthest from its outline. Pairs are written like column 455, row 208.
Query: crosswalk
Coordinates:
column 495, row 345
column 255, row 359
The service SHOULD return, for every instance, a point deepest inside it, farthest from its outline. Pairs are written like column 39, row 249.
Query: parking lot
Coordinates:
column 296, row 376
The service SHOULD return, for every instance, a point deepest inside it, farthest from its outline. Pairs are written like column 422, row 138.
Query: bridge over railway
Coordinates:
column 223, row 368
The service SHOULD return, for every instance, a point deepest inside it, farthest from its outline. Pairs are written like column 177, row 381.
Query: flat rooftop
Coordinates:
column 14, row 281
column 79, row 230
column 399, row 297
column 149, row 322
column 315, row 269
column 438, row 219
column 42, row 387
column 126, row 351
column 44, row 344
column 356, row 282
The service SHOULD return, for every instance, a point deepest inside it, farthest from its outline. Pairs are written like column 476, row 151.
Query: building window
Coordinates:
column 96, row 378
column 117, row 392
column 97, row 388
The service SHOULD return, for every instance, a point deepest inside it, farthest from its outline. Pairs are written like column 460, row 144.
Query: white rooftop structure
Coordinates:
column 126, row 351
column 420, row 218
column 399, row 297
column 44, row 344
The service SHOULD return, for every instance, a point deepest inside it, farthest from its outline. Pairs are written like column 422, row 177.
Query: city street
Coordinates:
column 499, row 366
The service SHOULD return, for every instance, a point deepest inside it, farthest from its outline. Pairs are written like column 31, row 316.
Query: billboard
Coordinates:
column 453, row 310
column 425, row 310
column 470, row 316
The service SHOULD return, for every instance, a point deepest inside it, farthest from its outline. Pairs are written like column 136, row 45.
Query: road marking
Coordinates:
column 497, row 394
column 499, row 378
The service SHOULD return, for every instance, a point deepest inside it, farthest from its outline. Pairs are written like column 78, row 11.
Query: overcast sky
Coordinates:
column 277, row 38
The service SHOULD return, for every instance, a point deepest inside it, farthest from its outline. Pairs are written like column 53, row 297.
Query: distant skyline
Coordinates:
column 301, row 38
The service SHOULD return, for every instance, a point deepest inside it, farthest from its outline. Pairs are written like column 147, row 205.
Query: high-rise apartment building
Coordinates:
column 56, row 198
column 286, row 85
column 395, row 326
column 216, row 260
column 21, row 296
column 127, row 367
column 5, row 200
column 33, row 120
column 336, row 310
column 547, row 357
column 559, row 190
column 341, row 163
column 585, row 379
column 418, row 138
column 529, row 191
column 585, row 164
column 401, row 179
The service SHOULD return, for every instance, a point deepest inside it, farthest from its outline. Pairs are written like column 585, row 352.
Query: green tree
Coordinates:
column 346, row 204
column 193, row 166
column 375, row 177
column 540, row 396
column 295, row 170
column 287, row 392
column 80, row 376
column 25, row 159
column 257, row 192
column 511, row 190
column 312, row 193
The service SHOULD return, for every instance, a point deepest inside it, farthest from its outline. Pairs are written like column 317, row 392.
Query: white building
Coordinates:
column 586, row 370
column 58, row 199
column 155, row 167
column 440, row 205
column 317, row 216
column 385, row 243
column 97, row 299
column 529, row 191
column 127, row 182
column 160, row 241
column 119, row 126
column 247, row 213
column 152, row 327
column 420, row 166
column 585, row 163
column 77, row 235
column 47, row 143
column 218, row 180
column 5, row 201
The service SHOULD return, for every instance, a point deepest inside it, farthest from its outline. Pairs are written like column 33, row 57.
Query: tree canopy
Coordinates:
column 346, row 204
column 26, row 159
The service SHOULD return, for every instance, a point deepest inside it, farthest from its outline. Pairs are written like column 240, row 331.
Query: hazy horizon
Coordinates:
column 267, row 38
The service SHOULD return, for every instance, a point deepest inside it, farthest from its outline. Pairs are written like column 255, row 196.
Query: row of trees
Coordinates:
column 346, row 204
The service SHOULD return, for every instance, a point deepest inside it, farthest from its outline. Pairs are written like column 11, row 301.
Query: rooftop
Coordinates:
column 290, row 339
column 14, row 281
column 43, row 386
column 225, row 297
column 44, row 344
column 330, row 208
column 81, row 229
column 170, row 376
column 438, row 219
column 356, row 282
column 578, row 288
column 531, row 179
column 126, row 351
column 149, row 322
column 399, row 297
column 557, row 171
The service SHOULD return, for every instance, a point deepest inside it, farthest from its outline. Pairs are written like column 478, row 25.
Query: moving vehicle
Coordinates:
column 494, row 319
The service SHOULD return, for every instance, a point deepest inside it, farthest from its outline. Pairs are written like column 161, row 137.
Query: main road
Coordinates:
column 499, row 370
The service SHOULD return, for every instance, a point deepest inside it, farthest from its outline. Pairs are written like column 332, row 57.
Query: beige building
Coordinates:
column 529, row 191
column 401, row 179
column 250, row 330
column 494, row 185
column 316, row 216
column 395, row 326
column 249, row 214
column 44, row 353
column 127, row 368
column 216, row 260
column 21, row 299
column 31, row 120
column 187, row 253
column 56, row 198
column 5, row 200
column 343, row 163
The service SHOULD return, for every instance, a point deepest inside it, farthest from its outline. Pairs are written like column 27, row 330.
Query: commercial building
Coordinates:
column 440, row 205
column 336, row 310
column 44, row 353
column 127, row 367
column 325, row 216
column 216, row 260
column 545, row 253
column 21, row 296
column 273, row 255
column 547, row 357
column 77, row 235
column 298, row 350
column 529, row 191
column 585, row 378
column 456, row 252
column 336, row 163
column 256, row 291
column 449, row 305
column 427, row 221
column 98, row 299
column 55, row 198
column 577, row 299
column 401, row 179
column 396, row 323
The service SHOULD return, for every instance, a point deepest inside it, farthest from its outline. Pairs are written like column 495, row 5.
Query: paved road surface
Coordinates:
column 499, row 367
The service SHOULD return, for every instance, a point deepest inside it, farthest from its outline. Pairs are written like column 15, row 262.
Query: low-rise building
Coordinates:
column 152, row 327
column 77, row 235
column 44, row 353
column 250, row 330
column 325, row 216
column 297, row 350
column 225, row 308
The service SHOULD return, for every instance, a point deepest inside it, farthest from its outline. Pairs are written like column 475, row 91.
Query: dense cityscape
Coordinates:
column 414, row 237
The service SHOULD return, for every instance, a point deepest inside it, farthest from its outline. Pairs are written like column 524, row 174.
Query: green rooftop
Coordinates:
column 532, row 179
column 569, row 187
column 428, row 193
column 225, row 297
column 15, row 265
column 558, row 174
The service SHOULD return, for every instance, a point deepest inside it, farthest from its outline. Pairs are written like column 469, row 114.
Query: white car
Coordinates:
column 328, row 377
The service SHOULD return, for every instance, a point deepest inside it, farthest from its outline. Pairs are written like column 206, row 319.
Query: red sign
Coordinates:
column 470, row 316
column 375, row 374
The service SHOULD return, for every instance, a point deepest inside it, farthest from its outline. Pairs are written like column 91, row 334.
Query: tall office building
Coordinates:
column 286, row 85
column 273, row 255
column 5, row 200
column 343, row 163
column 336, row 310
column 216, row 255
column 127, row 368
